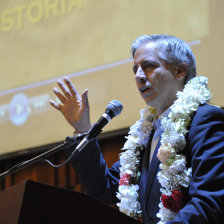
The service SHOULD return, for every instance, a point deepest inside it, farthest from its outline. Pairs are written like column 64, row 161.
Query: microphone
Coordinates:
column 113, row 109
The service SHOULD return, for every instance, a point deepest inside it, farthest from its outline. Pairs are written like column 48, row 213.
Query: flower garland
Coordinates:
column 130, row 163
column 174, row 175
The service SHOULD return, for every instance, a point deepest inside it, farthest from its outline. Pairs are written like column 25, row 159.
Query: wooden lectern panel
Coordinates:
column 34, row 203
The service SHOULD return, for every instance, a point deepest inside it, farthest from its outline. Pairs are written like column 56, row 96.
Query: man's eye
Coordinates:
column 149, row 66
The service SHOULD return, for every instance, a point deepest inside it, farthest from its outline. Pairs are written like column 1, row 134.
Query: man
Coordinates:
column 181, row 167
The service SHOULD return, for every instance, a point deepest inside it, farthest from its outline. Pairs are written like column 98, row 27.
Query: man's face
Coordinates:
column 157, row 80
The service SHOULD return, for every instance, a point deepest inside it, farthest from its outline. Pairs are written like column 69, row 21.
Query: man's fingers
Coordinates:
column 64, row 89
column 59, row 95
column 72, row 87
column 55, row 105
column 85, row 100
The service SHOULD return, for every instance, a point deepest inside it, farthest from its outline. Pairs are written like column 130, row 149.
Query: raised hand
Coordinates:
column 74, row 107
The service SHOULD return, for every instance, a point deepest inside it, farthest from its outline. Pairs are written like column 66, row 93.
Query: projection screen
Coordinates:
column 89, row 41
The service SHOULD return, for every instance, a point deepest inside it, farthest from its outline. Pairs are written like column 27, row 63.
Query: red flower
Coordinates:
column 125, row 179
column 174, row 202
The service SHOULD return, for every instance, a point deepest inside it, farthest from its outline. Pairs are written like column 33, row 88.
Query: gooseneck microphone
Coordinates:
column 113, row 109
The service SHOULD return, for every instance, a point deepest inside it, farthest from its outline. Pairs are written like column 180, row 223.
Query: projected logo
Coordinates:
column 22, row 107
column 18, row 110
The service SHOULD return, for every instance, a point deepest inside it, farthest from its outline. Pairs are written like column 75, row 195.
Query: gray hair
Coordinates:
column 173, row 51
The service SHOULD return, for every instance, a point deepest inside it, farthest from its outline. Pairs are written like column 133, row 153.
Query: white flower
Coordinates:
column 178, row 165
column 165, row 214
column 128, row 199
column 131, row 143
column 163, row 180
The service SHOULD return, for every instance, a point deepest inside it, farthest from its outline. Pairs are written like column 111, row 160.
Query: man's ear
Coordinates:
column 181, row 70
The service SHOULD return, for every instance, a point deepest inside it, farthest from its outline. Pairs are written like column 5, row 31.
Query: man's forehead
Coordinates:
column 147, row 49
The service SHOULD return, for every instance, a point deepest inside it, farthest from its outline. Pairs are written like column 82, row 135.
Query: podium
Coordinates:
column 34, row 203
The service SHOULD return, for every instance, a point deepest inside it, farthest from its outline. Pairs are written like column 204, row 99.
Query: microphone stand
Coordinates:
column 19, row 166
column 114, row 108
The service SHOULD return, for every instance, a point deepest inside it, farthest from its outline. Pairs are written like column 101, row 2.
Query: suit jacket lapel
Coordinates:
column 154, row 165
column 145, row 164
column 152, row 172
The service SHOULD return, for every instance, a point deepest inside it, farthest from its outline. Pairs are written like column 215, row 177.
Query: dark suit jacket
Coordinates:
column 205, row 154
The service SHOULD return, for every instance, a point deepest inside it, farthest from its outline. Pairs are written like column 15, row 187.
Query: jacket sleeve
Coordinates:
column 98, row 180
column 206, row 192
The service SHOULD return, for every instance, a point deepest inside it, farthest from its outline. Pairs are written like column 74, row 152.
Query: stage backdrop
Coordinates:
column 89, row 41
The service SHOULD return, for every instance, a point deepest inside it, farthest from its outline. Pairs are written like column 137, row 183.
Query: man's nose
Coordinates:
column 140, row 76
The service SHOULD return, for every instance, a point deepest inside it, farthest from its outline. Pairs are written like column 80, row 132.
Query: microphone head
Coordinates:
column 114, row 108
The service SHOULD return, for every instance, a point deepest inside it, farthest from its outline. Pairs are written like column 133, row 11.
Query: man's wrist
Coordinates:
column 79, row 136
